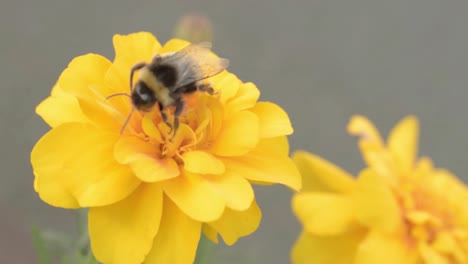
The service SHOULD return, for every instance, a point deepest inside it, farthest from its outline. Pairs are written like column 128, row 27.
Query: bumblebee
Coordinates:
column 169, row 76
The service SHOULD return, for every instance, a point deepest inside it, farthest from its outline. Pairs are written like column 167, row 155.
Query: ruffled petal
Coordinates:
column 235, row 189
column 376, row 206
column 84, row 76
column 372, row 147
column 362, row 127
column 150, row 129
column 123, row 233
column 102, row 115
column 202, row 162
column 274, row 121
column 228, row 85
column 382, row 249
column 321, row 175
column 60, row 108
column 143, row 158
column 236, row 224
column 431, row 256
column 239, row 135
column 177, row 239
column 210, row 233
column 174, row 44
column 246, row 97
column 118, row 78
column 139, row 46
column 448, row 245
column 324, row 213
column 403, row 143
column 339, row 249
column 195, row 197
column 266, row 164
column 66, row 178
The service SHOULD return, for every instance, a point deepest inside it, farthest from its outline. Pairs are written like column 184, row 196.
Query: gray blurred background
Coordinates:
column 321, row 60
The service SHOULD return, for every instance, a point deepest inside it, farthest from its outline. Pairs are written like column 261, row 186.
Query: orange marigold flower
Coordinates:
column 151, row 197
column 399, row 209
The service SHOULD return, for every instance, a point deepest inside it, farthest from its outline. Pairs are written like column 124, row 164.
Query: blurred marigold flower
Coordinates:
column 400, row 209
column 150, row 198
column 194, row 28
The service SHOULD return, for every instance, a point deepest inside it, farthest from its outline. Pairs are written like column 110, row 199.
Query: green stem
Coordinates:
column 40, row 246
column 205, row 251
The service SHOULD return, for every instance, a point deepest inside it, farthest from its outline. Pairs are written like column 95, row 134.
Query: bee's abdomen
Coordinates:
column 165, row 74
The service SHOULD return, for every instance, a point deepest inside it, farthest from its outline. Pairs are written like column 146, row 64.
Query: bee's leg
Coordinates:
column 135, row 68
column 164, row 116
column 179, row 106
column 206, row 87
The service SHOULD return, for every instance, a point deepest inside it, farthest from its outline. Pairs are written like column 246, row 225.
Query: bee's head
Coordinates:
column 143, row 97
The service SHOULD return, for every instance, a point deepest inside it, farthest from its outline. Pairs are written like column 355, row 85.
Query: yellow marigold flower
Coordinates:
column 400, row 209
column 150, row 198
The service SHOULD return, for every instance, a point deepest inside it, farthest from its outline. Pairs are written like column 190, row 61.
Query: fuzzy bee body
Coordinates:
column 169, row 76
column 148, row 83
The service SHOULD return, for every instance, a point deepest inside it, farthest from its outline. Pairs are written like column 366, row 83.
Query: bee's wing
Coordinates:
column 194, row 63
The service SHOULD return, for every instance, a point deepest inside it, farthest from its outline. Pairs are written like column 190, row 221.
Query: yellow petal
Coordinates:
column 150, row 129
column 236, row 224
column 144, row 159
column 177, row 239
column 228, row 86
column 324, row 213
column 195, row 197
column 383, row 249
column 184, row 135
column 266, row 164
column 137, row 47
column 210, row 233
column 239, row 135
column 117, row 77
column 362, row 127
column 75, row 167
column 339, row 249
column 102, row 115
column 124, row 232
column 372, row 147
column 274, row 121
column 376, row 206
column 403, row 142
column 84, row 76
column 215, row 112
column 245, row 98
column 446, row 244
column 202, row 162
column 235, row 189
column 321, row 175
column 174, row 44
column 431, row 256
column 278, row 145
column 420, row 217
column 60, row 108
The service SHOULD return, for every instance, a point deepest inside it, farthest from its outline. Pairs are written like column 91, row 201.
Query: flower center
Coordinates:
column 426, row 215
column 195, row 127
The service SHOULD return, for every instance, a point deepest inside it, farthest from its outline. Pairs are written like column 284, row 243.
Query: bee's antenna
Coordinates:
column 117, row 94
column 127, row 120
